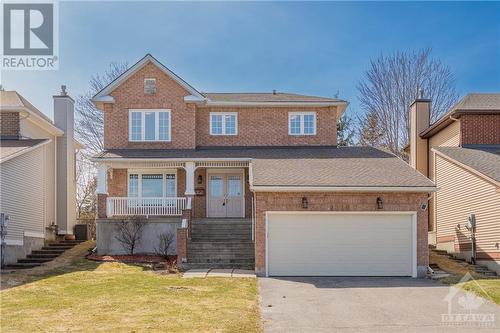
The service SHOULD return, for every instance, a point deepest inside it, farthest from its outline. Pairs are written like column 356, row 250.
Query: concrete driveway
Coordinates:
column 354, row 304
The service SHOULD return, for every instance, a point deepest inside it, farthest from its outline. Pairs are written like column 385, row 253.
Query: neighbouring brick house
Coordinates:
column 460, row 152
column 253, row 179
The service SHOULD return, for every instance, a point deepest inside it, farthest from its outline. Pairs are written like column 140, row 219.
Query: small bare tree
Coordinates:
column 392, row 82
column 165, row 241
column 130, row 233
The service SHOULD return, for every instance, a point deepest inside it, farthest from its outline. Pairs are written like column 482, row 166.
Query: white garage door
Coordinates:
column 331, row 244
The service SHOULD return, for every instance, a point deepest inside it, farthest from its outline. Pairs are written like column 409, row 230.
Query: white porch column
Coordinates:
column 189, row 167
column 102, row 179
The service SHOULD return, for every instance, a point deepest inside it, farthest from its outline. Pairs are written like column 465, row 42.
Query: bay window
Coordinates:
column 149, row 125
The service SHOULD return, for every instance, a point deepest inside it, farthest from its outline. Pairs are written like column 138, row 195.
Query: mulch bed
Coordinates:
column 158, row 262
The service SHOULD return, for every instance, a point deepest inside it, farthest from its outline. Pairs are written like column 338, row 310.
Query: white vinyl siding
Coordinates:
column 302, row 123
column 223, row 123
column 460, row 194
column 150, row 125
column 27, row 192
column 447, row 137
column 341, row 244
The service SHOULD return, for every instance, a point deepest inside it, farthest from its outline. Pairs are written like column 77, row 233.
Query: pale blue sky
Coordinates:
column 309, row 48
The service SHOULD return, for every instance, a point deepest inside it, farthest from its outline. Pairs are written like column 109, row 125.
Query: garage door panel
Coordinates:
column 340, row 244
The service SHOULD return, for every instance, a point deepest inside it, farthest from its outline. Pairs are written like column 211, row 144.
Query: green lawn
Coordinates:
column 486, row 287
column 86, row 296
column 489, row 289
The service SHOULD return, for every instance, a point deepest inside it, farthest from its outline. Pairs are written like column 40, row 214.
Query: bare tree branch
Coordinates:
column 392, row 83
column 89, row 120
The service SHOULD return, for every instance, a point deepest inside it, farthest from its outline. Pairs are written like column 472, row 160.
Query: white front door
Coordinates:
column 225, row 195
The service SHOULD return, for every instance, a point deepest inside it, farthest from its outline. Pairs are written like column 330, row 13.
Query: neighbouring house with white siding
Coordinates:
column 37, row 172
column 460, row 152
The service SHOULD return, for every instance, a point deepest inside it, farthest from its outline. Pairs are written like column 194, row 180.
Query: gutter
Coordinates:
column 44, row 123
column 261, row 188
column 166, row 159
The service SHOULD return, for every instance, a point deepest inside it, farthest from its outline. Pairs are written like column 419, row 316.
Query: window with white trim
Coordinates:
column 149, row 86
column 152, row 184
column 223, row 123
column 149, row 125
column 302, row 123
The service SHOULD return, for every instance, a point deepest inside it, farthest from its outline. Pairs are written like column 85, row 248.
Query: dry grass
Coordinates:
column 487, row 287
column 86, row 296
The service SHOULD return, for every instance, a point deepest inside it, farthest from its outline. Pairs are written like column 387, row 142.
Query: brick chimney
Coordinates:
column 64, row 117
column 419, row 121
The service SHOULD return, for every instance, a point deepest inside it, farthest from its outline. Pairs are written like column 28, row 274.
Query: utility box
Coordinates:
column 81, row 232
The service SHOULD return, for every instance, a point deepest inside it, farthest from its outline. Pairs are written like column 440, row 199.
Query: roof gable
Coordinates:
column 103, row 95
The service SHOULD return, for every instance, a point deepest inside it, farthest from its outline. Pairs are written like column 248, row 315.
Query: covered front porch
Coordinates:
column 152, row 188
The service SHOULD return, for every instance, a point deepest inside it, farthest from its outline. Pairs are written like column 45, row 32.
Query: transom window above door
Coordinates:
column 302, row 123
column 223, row 123
column 149, row 125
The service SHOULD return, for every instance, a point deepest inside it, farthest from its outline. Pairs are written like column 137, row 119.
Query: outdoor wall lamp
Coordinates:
column 380, row 204
column 305, row 204
column 200, row 179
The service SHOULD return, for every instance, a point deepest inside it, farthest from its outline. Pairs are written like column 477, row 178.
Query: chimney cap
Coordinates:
column 421, row 93
column 63, row 90
column 274, row 91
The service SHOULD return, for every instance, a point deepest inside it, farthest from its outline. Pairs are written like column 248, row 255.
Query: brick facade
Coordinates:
column 480, row 129
column 266, row 127
column 338, row 202
column 130, row 95
column 9, row 124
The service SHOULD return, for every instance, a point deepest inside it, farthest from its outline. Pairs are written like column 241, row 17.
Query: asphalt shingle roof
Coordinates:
column 267, row 97
column 302, row 166
column 483, row 159
column 10, row 147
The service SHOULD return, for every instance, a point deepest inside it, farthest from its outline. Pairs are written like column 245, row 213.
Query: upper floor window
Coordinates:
column 302, row 123
column 223, row 123
column 149, row 125
column 149, row 86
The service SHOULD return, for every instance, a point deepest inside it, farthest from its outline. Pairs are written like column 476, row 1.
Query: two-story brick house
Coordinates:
column 256, row 178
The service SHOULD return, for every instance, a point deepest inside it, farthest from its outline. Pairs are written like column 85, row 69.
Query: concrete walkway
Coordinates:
column 356, row 304
column 227, row 273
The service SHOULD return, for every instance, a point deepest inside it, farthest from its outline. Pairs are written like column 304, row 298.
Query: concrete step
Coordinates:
column 216, row 220
column 34, row 260
column 220, row 238
column 21, row 265
column 42, row 255
column 51, row 251
column 217, row 265
column 57, row 247
column 221, row 260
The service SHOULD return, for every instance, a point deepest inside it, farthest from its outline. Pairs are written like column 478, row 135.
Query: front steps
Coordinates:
column 480, row 269
column 46, row 254
column 221, row 243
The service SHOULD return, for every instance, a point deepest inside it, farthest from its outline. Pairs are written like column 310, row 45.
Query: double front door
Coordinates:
column 225, row 195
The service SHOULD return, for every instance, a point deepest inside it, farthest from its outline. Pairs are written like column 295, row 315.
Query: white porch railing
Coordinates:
column 127, row 206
